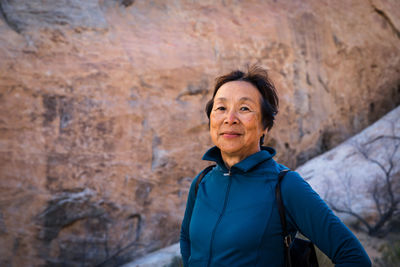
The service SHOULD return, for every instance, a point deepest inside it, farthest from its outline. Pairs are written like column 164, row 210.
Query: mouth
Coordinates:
column 230, row 134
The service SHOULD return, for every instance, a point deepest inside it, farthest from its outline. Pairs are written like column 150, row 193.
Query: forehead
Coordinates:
column 237, row 90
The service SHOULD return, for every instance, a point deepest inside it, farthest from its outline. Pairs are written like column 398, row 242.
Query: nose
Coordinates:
column 231, row 118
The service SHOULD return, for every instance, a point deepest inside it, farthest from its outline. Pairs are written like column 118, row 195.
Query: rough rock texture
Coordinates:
column 361, row 177
column 101, row 108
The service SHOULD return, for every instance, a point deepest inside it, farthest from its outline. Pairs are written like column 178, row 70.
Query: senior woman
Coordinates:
column 232, row 218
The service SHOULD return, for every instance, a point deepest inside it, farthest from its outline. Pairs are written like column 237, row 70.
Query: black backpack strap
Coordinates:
column 286, row 236
column 201, row 176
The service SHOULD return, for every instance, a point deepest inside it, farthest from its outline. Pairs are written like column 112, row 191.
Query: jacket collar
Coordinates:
column 266, row 153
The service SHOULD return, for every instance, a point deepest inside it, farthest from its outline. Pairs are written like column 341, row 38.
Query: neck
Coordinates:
column 232, row 159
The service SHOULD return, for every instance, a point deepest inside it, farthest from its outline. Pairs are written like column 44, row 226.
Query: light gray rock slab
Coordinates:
column 160, row 258
column 348, row 175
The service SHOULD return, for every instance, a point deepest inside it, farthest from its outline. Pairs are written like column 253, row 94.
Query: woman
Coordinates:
column 232, row 218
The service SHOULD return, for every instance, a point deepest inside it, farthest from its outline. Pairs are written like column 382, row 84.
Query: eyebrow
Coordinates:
column 223, row 99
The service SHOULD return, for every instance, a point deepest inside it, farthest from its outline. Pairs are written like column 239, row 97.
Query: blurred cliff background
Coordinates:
column 102, row 125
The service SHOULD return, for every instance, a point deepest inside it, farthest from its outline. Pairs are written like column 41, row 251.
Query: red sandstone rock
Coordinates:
column 101, row 108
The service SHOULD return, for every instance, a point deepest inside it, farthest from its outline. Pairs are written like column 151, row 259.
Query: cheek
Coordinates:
column 213, row 125
column 255, row 125
column 215, row 119
column 251, row 122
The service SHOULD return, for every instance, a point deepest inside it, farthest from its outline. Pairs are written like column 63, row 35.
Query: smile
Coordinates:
column 230, row 134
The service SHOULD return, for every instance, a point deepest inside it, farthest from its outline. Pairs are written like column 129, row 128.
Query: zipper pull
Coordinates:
column 228, row 173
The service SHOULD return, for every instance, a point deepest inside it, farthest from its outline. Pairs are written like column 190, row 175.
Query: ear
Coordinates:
column 262, row 139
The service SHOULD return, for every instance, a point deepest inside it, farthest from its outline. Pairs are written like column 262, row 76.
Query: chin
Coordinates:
column 229, row 149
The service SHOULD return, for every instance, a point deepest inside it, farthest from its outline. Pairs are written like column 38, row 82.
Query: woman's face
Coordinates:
column 235, row 119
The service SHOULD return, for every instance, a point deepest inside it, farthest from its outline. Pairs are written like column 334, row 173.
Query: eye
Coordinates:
column 244, row 108
column 220, row 108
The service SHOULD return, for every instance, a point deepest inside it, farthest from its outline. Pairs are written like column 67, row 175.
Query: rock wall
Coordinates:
column 101, row 108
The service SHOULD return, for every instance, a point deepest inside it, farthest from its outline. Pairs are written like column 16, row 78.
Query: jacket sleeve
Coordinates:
column 184, row 236
column 315, row 220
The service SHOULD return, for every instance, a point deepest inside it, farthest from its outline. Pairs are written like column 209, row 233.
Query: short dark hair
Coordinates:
column 259, row 78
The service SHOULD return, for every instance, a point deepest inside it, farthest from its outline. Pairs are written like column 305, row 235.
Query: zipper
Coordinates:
column 220, row 216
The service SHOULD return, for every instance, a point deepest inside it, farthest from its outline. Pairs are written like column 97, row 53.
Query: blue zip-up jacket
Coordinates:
column 234, row 220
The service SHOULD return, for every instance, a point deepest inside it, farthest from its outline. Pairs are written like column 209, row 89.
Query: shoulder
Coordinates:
column 292, row 178
column 199, row 177
column 293, row 185
column 299, row 198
